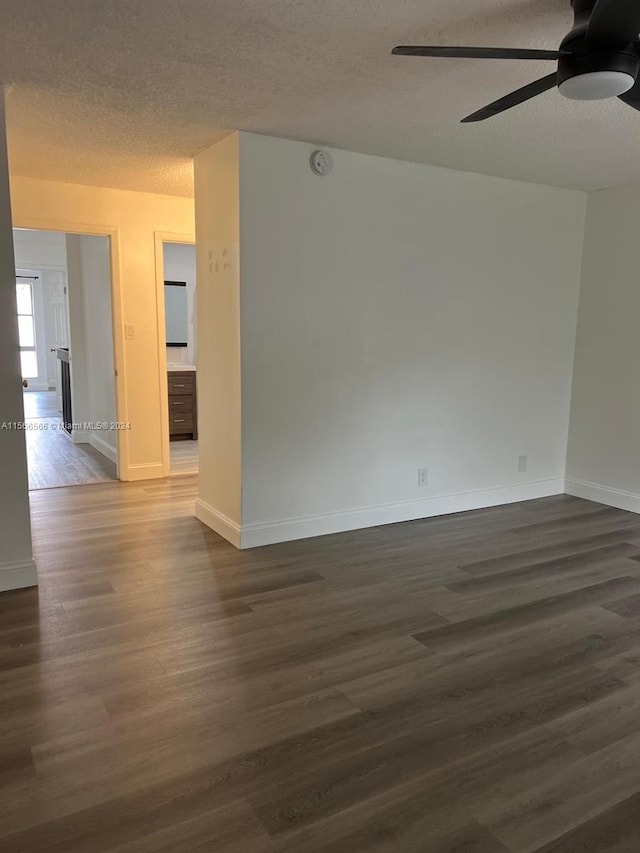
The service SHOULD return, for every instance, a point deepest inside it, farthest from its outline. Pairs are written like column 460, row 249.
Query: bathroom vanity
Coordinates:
column 183, row 404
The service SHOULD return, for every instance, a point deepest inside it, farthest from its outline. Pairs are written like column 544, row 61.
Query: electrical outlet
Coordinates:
column 423, row 476
column 522, row 464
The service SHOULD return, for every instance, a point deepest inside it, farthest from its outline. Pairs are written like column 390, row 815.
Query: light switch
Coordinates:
column 130, row 331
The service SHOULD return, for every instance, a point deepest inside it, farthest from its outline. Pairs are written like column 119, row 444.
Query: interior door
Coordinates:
column 60, row 307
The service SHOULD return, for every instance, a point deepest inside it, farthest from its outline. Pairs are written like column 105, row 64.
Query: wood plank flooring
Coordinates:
column 464, row 684
column 52, row 457
column 184, row 457
column 40, row 404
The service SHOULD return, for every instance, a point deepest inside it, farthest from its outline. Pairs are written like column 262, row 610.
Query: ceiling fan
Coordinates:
column 599, row 58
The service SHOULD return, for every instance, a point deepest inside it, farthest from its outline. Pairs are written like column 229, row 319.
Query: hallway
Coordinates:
column 53, row 459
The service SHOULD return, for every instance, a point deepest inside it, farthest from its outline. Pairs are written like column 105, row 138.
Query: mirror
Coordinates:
column 175, row 310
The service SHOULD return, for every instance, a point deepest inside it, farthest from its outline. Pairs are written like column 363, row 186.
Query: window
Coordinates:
column 27, row 330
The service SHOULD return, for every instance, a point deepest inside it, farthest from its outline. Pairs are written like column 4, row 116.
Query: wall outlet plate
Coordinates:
column 423, row 476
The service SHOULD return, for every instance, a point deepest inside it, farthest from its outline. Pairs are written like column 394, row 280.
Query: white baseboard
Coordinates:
column 90, row 436
column 603, row 494
column 146, row 471
column 18, row 575
column 219, row 522
column 101, row 446
column 268, row 533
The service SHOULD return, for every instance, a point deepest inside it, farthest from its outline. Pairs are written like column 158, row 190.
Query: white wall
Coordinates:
column 603, row 461
column 91, row 322
column 39, row 249
column 179, row 261
column 77, row 332
column 397, row 316
column 98, row 319
column 17, row 568
column 217, row 176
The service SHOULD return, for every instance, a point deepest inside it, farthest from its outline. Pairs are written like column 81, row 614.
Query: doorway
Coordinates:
column 63, row 289
column 177, row 273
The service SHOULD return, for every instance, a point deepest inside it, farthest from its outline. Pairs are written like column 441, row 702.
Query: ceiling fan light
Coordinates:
column 596, row 85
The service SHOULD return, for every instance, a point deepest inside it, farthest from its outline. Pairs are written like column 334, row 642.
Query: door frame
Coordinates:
column 160, row 238
column 119, row 350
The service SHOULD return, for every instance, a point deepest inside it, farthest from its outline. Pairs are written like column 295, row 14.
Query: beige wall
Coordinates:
column 131, row 219
column 17, row 568
column 217, row 179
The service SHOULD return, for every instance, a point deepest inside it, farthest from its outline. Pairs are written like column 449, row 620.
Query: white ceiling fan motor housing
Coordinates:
column 596, row 85
column 593, row 76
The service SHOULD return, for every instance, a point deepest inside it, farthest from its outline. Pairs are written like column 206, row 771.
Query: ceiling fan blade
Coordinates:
column 613, row 24
column 514, row 98
column 476, row 52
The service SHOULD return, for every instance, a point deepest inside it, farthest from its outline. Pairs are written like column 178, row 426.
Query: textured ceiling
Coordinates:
column 123, row 92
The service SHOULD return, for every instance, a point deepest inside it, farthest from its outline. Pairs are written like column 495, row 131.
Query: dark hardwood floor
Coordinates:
column 465, row 684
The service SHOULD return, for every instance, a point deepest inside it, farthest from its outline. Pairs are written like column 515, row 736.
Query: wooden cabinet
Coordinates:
column 183, row 409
